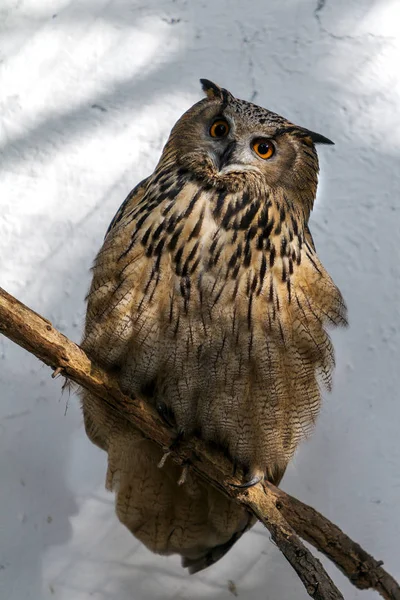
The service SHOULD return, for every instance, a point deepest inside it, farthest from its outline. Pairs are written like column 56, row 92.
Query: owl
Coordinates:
column 208, row 300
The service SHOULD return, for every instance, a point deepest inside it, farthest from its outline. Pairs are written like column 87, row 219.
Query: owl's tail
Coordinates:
column 213, row 555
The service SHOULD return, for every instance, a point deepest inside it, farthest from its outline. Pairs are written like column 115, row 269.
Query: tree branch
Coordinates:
column 360, row 567
column 283, row 515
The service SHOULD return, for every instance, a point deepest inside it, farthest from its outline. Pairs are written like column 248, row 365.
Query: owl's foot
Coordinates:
column 67, row 385
column 248, row 484
column 58, row 371
column 174, row 444
column 163, row 459
column 183, row 476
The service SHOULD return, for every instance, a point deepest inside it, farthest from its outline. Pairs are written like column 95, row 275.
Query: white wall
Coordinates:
column 89, row 90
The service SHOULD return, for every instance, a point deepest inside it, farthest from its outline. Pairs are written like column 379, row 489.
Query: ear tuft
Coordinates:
column 212, row 90
column 317, row 138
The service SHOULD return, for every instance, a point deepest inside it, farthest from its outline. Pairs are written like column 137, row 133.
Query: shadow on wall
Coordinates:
column 294, row 58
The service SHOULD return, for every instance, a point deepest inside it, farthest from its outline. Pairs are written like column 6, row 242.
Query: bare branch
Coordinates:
column 284, row 516
column 360, row 567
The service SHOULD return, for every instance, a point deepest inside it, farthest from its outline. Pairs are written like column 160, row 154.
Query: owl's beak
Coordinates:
column 226, row 157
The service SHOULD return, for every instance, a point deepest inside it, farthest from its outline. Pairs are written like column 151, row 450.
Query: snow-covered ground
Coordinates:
column 89, row 90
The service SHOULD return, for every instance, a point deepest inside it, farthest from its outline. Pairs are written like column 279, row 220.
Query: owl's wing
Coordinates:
column 213, row 555
column 309, row 237
column 131, row 200
column 106, row 282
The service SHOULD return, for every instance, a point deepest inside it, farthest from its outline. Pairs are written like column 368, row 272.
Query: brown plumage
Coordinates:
column 208, row 299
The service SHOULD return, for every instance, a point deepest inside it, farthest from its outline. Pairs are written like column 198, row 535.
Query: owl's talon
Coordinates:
column 183, row 476
column 58, row 371
column 174, row 444
column 248, row 484
column 163, row 459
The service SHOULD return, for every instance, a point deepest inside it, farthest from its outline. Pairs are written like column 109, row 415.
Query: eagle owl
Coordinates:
column 208, row 300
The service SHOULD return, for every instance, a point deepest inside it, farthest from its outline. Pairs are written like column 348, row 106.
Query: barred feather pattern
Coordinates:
column 217, row 304
column 208, row 296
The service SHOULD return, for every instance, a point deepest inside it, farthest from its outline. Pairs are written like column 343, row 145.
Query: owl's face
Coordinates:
column 225, row 142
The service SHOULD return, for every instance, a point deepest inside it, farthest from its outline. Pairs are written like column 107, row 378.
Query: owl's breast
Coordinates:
column 197, row 303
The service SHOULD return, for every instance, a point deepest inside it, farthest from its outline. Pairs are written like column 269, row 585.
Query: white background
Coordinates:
column 89, row 90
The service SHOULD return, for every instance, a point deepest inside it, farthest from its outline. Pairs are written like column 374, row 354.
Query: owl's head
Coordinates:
column 226, row 142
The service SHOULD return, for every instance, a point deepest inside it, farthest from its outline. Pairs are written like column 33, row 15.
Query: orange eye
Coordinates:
column 219, row 129
column 263, row 148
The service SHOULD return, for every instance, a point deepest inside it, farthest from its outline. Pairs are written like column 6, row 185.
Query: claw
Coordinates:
column 163, row 459
column 183, row 476
column 248, row 484
column 174, row 444
column 57, row 372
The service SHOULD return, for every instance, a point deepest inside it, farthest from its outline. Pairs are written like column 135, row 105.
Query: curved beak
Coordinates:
column 226, row 157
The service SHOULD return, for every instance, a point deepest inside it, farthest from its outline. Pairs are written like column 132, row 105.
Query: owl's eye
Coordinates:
column 219, row 129
column 263, row 148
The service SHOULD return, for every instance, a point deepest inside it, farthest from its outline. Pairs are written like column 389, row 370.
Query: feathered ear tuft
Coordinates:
column 317, row 138
column 214, row 92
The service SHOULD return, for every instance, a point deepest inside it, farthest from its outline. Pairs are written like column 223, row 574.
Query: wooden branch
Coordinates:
column 284, row 516
column 360, row 567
